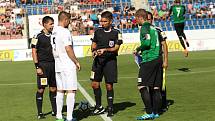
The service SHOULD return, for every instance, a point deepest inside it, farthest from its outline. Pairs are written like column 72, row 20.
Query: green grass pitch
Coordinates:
column 190, row 88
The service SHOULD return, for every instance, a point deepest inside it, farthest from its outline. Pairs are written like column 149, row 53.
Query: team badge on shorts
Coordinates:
column 111, row 43
column 43, row 81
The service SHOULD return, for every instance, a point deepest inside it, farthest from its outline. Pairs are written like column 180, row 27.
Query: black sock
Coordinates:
column 98, row 96
column 164, row 100
column 39, row 102
column 184, row 36
column 182, row 42
column 146, row 99
column 52, row 97
column 156, row 101
column 110, row 97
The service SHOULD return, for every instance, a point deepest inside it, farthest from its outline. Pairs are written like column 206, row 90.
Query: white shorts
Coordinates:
column 66, row 80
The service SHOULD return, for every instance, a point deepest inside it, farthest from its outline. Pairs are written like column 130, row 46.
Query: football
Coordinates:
column 84, row 106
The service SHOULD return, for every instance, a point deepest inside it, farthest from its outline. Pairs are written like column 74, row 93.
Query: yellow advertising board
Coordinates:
column 6, row 55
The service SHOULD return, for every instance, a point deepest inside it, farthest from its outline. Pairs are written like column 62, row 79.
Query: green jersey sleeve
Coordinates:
column 145, row 37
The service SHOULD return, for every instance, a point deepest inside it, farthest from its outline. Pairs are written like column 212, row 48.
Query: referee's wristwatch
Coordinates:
column 37, row 65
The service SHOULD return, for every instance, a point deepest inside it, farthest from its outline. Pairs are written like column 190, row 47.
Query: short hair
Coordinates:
column 46, row 19
column 149, row 13
column 141, row 13
column 177, row 1
column 62, row 15
column 107, row 14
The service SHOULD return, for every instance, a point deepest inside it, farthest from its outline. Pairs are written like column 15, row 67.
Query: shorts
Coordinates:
column 48, row 77
column 67, row 80
column 104, row 67
column 150, row 73
column 179, row 28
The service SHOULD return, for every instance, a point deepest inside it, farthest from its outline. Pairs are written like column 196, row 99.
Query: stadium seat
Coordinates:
column 162, row 23
column 200, row 22
column 164, row 29
column 194, row 22
column 191, row 27
column 136, row 30
column 186, row 27
column 202, row 27
column 207, row 27
column 169, row 28
column 168, row 23
column 205, row 22
column 189, row 22
column 124, row 31
column 156, row 23
column 130, row 30
column 213, row 26
column 196, row 27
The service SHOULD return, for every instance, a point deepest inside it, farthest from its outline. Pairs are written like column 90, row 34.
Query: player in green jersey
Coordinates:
column 150, row 72
column 178, row 12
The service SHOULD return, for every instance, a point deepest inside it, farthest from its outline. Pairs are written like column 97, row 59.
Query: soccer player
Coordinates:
column 66, row 64
column 164, row 50
column 105, row 45
column 178, row 11
column 150, row 72
column 44, row 64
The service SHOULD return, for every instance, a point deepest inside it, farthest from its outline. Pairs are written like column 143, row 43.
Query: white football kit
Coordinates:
column 65, row 68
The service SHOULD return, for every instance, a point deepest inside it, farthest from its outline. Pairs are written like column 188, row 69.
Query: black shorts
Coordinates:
column 179, row 28
column 104, row 67
column 150, row 73
column 48, row 74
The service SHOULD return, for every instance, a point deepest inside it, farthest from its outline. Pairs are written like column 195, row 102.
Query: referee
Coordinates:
column 44, row 64
column 105, row 45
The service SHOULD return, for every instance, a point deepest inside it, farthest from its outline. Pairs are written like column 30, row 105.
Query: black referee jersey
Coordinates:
column 43, row 45
column 107, row 39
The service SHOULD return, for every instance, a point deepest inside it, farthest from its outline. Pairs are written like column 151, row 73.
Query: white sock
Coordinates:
column 59, row 102
column 70, row 101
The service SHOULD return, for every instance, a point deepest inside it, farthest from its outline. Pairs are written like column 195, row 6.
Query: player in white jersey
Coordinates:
column 66, row 64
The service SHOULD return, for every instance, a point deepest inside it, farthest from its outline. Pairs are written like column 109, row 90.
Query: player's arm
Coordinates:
column 170, row 11
column 34, row 44
column 94, row 45
column 165, row 54
column 71, row 54
column 145, row 39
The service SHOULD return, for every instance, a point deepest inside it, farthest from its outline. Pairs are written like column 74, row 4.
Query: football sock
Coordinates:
column 184, row 36
column 156, row 101
column 52, row 97
column 145, row 95
column 70, row 101
column 182, row 42
column 110, row 96
column 39, row 102
column 98, row 96
column 59, row 102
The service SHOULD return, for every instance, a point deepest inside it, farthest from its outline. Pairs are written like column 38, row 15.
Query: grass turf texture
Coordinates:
column 190, row 87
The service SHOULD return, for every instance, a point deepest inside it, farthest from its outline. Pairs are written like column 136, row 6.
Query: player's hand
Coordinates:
column 39, row 71
column 135, row 52
column 94, row 54
column 78, row 66
column 165, row 65
column 101, row 51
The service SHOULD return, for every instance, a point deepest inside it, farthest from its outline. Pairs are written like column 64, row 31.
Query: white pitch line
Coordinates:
column 91, row 101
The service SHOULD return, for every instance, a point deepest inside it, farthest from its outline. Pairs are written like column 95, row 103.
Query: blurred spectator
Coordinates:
column 94, row 17
column 190, row 7
column 2, row 29
column 124, row 22
column 129, row 22
column 116, row 22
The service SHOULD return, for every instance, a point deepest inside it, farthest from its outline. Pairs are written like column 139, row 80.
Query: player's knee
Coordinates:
column 156, row 88
column 40, row 90
column 109, row 86
column 52, row 89
column 95, row 85
column 143, row 88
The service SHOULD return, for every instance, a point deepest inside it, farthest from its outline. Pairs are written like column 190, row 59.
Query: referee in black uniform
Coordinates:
column 105, row 45
column 44, row 64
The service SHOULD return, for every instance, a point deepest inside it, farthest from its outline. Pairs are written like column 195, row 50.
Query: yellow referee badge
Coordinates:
column 43, row 81
column 34, row 41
